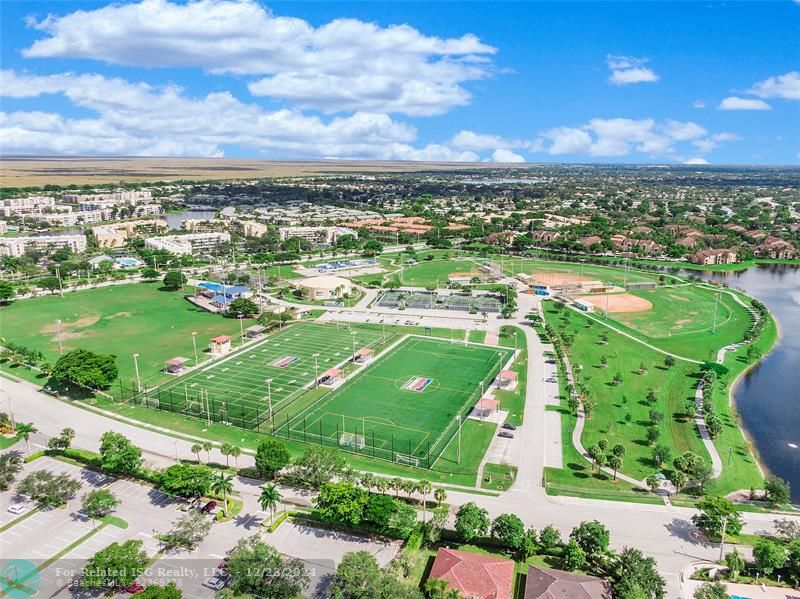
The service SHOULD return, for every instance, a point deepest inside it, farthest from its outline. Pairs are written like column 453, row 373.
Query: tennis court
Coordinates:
column 403, row 406
column 426, row 300
column 272, row 373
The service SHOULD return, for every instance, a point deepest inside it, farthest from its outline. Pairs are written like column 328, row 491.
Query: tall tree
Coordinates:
column 268, row 500
column 222, row 484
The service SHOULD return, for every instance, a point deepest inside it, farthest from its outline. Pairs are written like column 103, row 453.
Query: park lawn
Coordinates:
column 119, row 319
column 477, row 336
column 498, row 477
column 621, row 412
column 514, row 401
column 740, row 469
column 606, row 274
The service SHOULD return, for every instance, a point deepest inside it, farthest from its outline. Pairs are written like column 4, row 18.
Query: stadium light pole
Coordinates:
column 194, row 344
column 241, row 329
column 353, row 339
column 458, row 416
column 136, row 369
column 269, row 398
column 58, row 334
column 316, row 370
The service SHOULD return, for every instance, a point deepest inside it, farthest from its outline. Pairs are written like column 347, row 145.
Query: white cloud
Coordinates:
column 785, row 86
column 707, row 144
column 682, row 131
column 503, row 155
column 619, row 137
column 736, row 103
column 568, row 140
column 470, row 140
column 700, row 103
column 139, row 119
column 695, row 161
column 629, row 69
column 344, row 65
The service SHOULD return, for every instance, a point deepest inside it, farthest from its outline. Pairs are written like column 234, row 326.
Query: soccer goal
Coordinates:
column 404, row 458
column 351, row 440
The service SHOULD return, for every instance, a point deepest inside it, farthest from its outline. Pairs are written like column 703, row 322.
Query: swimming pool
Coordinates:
column 211, row 286
column 128, row 262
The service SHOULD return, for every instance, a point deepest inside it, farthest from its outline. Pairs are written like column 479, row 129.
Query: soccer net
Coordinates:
column 351, row 440
column 404, row 458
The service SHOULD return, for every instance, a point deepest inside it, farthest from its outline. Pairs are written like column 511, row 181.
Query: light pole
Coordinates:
column 353, row 339
column 136, row 368
column 716, row 303
column 316, row 371
column 241, row 329
column 722, row 538
column 269, row 398
column 58, row 334
column 58, row 274
column 458, row 416
column 194, row 344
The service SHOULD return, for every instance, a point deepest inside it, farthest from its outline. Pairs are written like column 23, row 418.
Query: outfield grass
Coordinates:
column 682, row 320
column 406, row 402
column 513, row 402
column 621, row 414
column 120, row 320
column 429, row 273
column 606, row 274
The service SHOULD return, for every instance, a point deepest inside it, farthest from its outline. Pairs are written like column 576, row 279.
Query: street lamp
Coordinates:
column 316, row 370
column 194, row 344
column 269, row 398
column 136, row 368
column 58, row 333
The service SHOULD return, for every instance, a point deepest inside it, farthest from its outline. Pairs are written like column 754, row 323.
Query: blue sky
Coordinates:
column 669, row 82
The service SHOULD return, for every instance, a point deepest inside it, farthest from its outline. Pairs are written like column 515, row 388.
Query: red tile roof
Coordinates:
column 474, row 575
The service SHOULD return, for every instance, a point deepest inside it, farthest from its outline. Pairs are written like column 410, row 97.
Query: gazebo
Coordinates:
column 364, row 355
column 175, row 365
column 507, row 379
column 330, row 377
column 485, row 407
column 220, row 345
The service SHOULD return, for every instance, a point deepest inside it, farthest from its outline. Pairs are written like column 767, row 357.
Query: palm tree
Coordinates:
column 424, row 487
column 196, row 449
column 439, row 495
column 25, row 430
column 381, row 484
column 236, row 452
column 222, row 483
column 397, row 484
column 615, row 462
column 269, row 499
column 207, row 447
column 435, row 588
column 225, row 449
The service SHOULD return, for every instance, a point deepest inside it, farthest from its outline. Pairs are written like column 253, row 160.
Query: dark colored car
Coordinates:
column 505, row 435
column 207, row 508
column 509, row 427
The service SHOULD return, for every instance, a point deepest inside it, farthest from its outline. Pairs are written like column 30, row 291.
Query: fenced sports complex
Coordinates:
column 235, row 389
column 422, row 300
column 405, row 406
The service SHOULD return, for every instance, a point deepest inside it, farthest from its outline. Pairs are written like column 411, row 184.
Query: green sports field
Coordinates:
column 380, row 412
column 606, row 274
column 428, row 273
column 235, row 388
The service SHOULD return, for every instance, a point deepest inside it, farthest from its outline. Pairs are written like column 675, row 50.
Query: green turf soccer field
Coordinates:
column 403, row 406
column 234, row 389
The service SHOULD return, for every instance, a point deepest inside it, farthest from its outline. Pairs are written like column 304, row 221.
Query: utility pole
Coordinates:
column 58, row 334
column 136, row 369
column 716, row 303
column 194, row 344
column 269, row 398
column 58, row 274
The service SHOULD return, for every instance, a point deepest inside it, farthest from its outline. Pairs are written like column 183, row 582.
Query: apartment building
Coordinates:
column 17, row 246
column 192, row 243
column 316, row 235
column 24, row 206
column 118, row 234
column 711, row 257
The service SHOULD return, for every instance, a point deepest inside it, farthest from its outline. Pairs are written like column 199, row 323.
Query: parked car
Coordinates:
column 509, row 427
column 209, row 507
column 505, row 435
column 216, row 583
column 17, row 508
column 134, row 588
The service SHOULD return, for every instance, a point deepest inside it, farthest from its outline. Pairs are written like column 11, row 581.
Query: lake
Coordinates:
column 768, row 398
